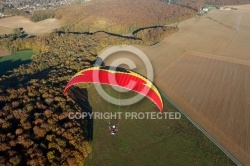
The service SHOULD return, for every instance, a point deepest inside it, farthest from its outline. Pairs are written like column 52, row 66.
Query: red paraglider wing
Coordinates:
column 118, row 77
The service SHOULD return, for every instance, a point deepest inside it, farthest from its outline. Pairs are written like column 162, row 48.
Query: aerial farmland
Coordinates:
column 208, row 74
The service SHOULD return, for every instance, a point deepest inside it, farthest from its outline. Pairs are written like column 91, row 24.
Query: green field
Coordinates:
column 14, row 60
column 152, row 142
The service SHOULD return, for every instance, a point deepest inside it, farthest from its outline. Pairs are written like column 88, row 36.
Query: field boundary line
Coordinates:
column 219, row 57
column 236, row 161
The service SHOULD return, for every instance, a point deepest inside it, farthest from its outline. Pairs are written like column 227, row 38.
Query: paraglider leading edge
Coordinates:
column 116, row 76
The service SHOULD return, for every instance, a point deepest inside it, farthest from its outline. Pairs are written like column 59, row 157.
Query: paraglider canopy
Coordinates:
column 119, row 77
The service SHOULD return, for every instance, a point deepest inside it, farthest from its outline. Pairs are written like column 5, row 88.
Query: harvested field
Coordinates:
column 30, row 27
column 216, row 93
column 208, row 74
column 5, row 30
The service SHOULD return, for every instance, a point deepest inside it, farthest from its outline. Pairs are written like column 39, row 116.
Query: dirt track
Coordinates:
column 30, row 27
column 205, row 69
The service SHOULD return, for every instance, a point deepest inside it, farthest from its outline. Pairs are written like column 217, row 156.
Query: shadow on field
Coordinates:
column 140, row 29
column 227, row 26
column 11, row 64
column 80, row 95
column 93, row 33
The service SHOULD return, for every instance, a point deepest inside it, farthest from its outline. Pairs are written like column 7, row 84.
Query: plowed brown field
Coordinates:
column 5, row 30
column 205, row 69
column 45, row 26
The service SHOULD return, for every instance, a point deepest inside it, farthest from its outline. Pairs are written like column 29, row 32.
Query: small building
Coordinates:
column 205, row 9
